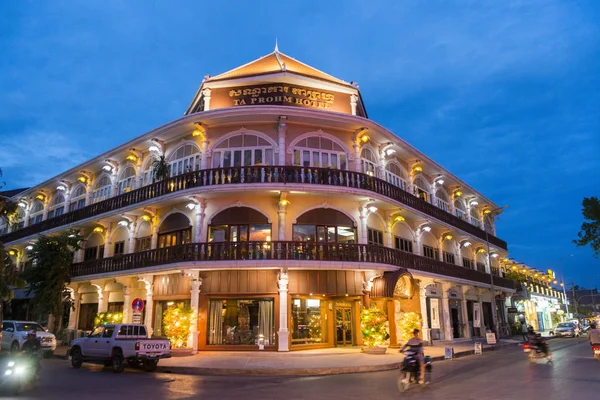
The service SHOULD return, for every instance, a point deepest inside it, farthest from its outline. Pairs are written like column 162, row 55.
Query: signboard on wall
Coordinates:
column 137, row 318
column 476, row 315
column 491, row 338
column 434, row 313
column 281, row 94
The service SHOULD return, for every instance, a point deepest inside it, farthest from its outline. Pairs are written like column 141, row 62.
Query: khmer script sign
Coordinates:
column 281, row 94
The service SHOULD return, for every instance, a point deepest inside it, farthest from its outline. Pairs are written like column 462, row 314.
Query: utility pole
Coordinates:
column 574, row 298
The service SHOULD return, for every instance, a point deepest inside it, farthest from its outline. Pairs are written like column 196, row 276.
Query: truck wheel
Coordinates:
column 118, row 364
column 150, row 365
column 76, row 358
column 15, row 348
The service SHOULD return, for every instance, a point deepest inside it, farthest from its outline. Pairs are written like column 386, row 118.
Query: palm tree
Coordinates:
column 160, row 169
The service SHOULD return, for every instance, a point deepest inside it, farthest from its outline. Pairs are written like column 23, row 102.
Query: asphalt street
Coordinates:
column 504, row 374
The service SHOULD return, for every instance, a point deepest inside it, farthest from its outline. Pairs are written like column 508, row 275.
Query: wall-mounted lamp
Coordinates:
column 514, row 267
column 364, row 138
column 154, row 148
column 22, row 204
column 457, row 193
column 466, row 243
column 123, row 223
column 417, row 168
column 448, row 237
column 132, row 157
column 427, row 228
column 29, row 247
column 13, row 252
column 191, row 206
column 284, row 202
column 107, row 168
column 494, row 255
column 99, row 229
column 62, row 188
column 439, row 181
column 41, row 197
column 486, row 211
column 400, row 218
column 473, row 203
column 389, row 152
column 481, row 251
column 82, row 179
column 146, row 217
column 372, row 209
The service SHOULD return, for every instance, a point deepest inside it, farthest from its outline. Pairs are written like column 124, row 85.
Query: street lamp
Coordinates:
column 562, row 276
column 487, row 241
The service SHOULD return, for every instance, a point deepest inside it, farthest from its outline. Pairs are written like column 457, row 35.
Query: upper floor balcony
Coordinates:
column 259, row 176
column 297, row 252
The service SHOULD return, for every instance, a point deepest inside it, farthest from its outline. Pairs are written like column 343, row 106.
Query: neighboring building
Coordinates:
column 287, row 211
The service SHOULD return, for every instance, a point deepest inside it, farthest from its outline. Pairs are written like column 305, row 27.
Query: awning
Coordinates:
column 398, row 284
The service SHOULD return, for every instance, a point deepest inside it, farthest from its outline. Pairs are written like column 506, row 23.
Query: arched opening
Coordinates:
column 77, row 198
column 395, row 175
column 421, row 188
column 467, row 257
column 36, row 213
column 430, row 246
column 324, row 225
column 126, row 180
column 375, row 229
column 148, row 169
column 403, row 237
column 174, row 230
column 460, row 209
column 101, row 189
column 185, row 159
column 143, row 241
column 242, row 150
column 94, row 247
column 488, row 224
column 239, row 224
column 448, row 251
column 119, row 240
column 319, row 152
column 475, row 220
column 442, row 200
column 481, row 258
column 368, row 162
column 57, row 206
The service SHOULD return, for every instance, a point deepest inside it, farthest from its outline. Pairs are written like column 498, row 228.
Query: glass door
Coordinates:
column 343, row 325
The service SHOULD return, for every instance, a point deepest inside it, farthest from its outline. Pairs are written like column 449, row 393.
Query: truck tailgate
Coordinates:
column 153, row 348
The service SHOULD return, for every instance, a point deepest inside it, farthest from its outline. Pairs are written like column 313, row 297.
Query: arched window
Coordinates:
column 102, row 189
column 126, row 180
column 475, row 220
column 488, row 224
column 149, row 169
column 442, row 200
column 57, row 206
column 320, row 152
column 174, row 230
column 368, row 162
column 184, row 159
column 324, row 225
column 242, row 150
column 37, row 212
column 239, row 224
column 395, row 175
column 77, row 198
column 421, row 190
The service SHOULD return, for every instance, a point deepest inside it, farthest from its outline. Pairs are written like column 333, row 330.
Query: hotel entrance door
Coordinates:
column 343, row 324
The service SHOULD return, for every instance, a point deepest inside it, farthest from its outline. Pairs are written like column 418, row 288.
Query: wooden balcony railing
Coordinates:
column 254, row 175
column 299, row 251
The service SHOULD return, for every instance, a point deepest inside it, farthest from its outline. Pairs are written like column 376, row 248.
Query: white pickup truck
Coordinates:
column 115, row 344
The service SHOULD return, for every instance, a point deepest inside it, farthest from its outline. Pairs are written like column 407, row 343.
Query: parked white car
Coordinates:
column 14, row 334
column 115, row 344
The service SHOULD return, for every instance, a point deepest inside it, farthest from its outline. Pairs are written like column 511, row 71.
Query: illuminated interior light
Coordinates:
column 191, row 206
column 427, row 228
column 132, row 157
column 400, row 218
column 372, row 209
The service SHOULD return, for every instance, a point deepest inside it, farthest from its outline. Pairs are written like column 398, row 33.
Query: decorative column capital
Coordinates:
column 283, row 280
column 282, row 127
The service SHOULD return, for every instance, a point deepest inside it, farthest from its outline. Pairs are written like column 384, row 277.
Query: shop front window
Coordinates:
column 310, row 321
column 236, row 322
column 159, row 311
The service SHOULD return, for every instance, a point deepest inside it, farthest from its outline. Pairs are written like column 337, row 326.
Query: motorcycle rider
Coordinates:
column 416, row 345
column 31, row 349
column 594, row 334
column 535, row 339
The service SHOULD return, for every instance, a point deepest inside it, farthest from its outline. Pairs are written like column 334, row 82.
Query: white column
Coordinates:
column 154, row 239
column 419, row 248
column 281, row 131
column 283, row 333
column 88, row 194
column 102, row 299
column 26, row 218
column 388, row 236
column 465, row 312
column 357, row 156
column 364, row 215
column 194, row 303
column 353, row 103
column 446, row 314
column 127, row 312
column 199, row 222
column 131, row 245
column 206, row 94
column 281, row 214
column 45, row 213
column 149, row 308
column 441, row 250
column 481, row 319
column 424, row 313
column 74, row 312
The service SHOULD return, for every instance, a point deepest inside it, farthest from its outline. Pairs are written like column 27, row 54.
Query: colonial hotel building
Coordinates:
column 286, row 209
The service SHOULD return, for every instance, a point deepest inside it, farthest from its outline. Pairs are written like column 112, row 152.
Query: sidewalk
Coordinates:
column 341, row 360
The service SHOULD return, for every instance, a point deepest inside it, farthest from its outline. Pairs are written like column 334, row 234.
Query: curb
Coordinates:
column 303, row 371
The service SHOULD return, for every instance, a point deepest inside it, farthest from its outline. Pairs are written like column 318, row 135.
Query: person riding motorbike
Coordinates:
column 535, row 339
column 416, row 345
column 594, row 334
column 31, row 349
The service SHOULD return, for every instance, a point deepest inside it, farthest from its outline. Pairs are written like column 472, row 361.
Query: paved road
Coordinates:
column 504, row 374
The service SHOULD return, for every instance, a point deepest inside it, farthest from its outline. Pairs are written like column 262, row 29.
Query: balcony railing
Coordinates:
column 253, row 175
column 298, row 251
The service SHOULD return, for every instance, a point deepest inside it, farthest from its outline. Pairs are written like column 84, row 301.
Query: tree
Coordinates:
column 372, row 324
column 590, row 228
column 160, row 169
column 50, row 274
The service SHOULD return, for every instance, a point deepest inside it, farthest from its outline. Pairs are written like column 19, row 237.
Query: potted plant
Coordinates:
column 372, row 323
column 160, row 169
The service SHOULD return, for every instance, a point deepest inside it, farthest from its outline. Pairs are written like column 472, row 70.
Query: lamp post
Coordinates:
column 562, row 277
column 492, row 287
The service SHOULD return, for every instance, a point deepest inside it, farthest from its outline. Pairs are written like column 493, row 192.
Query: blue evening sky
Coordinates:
column 505, row 94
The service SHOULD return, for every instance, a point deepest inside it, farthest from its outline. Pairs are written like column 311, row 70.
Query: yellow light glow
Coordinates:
column 12, row 252
column 555, row 282
column 562, row 284
column 284, row 202
column 145, row 218
column 99, row 229
column 417, row 168
column 365, row 138
column 514, row 267
column 458, row 193
column 196, row 133
column 448, row 237
column 132, row 157
column 40, row 197
column 82, row 179
column 481, row 251
column 487, row 211
column 400, row 218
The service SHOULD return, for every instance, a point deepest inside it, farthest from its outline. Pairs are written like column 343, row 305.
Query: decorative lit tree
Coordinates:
column 104, row 318
column 407, row 324
column 372, row 324
column 176, row 325
column 314, row 328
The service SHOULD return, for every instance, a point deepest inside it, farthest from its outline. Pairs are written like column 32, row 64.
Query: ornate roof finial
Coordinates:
column 276, row 46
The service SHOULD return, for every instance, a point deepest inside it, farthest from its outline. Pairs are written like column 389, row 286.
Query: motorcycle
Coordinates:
column 596, row 349
column 17, row 374
column 535, row 352
column 410, row 371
